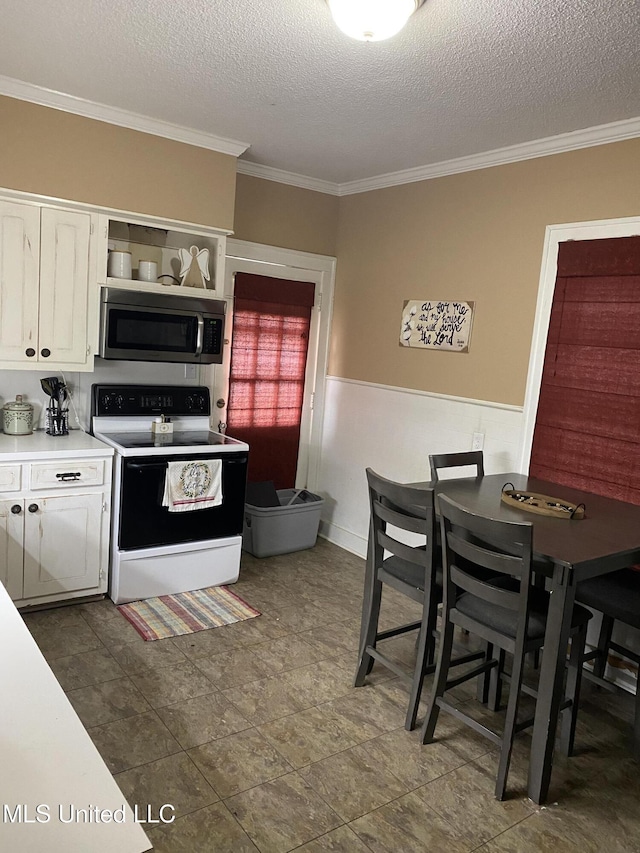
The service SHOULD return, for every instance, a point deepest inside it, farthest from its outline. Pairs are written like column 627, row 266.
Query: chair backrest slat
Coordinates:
column 401, row 549
column 439, row 461
column 393, row 515
column 480, row 555
column 482, row 589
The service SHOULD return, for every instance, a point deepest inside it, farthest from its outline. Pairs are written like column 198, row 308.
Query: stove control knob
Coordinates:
column 193, row 403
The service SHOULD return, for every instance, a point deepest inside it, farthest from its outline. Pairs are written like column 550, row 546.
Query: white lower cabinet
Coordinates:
column 61, row 544
column 54, row 540
column 11, row 546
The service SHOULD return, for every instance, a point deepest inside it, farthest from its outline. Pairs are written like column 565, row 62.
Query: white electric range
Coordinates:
column 154, row 551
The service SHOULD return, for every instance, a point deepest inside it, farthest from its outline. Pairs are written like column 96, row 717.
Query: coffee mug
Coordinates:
column 119, row 264
column 147, row 270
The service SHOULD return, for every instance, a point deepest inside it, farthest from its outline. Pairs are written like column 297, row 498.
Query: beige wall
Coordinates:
column 288, row 217
column 53, row 153
column 474, row 236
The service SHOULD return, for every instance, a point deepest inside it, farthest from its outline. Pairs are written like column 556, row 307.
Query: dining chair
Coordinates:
column 413, row 570
column 508, row 611
column 439, row 461
column 617, row 597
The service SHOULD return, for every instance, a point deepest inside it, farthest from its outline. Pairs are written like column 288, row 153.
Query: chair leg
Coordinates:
column 604, row 640
column 494, row 698
column 574, row 680
column 425, row 650
column 509, row 725
column 370, row 617
column 439, row 682
column 482, row 694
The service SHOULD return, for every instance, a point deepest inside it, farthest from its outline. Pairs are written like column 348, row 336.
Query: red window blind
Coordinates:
column 271, row 325
column 587, row 432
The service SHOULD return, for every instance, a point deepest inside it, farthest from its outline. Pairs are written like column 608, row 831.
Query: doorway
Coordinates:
column 554, row 236
column 271, row 324
column 269, row 263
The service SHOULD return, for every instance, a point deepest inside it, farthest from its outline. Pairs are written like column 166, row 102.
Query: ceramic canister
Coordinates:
column 119, row 264
column 147, row 270
column 17, row 417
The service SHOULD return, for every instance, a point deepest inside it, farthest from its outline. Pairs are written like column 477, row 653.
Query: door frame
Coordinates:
column 261, row 259
column 554, row 235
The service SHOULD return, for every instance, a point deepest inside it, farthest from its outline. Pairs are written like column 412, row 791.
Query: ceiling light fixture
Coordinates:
column 372, row 20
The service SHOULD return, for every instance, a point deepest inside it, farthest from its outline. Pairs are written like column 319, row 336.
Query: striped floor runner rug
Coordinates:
column 186, row 612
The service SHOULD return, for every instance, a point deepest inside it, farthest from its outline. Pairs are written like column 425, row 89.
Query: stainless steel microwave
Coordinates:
column 136, row 326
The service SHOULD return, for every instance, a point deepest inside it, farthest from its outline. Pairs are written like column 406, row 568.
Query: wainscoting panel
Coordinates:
column 393, row 431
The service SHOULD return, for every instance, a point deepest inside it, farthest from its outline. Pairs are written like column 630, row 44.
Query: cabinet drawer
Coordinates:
column 10, row 478
column 66, row 473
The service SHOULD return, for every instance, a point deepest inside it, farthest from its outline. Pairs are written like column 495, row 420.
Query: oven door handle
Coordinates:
column 141, row 466
column 199, row 334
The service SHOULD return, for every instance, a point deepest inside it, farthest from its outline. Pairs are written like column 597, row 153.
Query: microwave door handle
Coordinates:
column 199, row 335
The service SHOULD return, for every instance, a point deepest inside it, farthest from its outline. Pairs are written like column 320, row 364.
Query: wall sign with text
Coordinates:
column 433, row 324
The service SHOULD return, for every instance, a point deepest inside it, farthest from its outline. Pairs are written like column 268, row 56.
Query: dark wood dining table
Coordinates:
column 606, row 539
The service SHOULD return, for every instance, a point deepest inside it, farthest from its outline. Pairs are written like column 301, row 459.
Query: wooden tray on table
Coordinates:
column 541, row 504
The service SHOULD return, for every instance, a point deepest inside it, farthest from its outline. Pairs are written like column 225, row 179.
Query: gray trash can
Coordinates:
column 292, row 526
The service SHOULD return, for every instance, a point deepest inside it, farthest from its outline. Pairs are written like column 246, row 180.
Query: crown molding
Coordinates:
column 616, row 131
column 114, row 115
column 587, row 138
column 280, row 176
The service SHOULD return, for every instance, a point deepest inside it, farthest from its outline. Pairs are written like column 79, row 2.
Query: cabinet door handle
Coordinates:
column 45, row 353
column 30, row 352
column 33, row 507
column 16, row 509
column 69, row 475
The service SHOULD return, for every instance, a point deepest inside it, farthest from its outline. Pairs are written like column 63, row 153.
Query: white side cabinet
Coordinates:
column 49, row 309
column 54, row 524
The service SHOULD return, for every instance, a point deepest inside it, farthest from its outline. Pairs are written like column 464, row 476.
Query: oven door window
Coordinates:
column 130, row 329
column 145, row 523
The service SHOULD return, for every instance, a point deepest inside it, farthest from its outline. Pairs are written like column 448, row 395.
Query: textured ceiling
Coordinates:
column 465, row 76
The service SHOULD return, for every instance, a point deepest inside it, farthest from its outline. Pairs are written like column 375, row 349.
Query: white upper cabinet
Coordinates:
column 19, row 279
column 64, row 281
column 47, row 307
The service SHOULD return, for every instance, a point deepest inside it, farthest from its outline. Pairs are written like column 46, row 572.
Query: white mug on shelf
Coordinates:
column 119, row 264
column 147, row 270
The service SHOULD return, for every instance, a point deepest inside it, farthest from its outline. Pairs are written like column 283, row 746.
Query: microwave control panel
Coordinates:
column 212, row 335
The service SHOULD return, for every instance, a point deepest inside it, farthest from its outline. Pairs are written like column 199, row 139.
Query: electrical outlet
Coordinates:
column 191, row 372
column 477, row 442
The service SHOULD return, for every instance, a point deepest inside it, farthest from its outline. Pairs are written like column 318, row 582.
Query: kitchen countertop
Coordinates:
column 49, row 760
column 39, row 445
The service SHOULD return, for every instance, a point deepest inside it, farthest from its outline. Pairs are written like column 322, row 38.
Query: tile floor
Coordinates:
column 256, row 736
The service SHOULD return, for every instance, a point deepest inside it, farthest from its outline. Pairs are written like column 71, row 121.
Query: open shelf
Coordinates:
column 152, row 242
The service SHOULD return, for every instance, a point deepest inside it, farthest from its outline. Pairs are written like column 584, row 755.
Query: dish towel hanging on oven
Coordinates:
column 193, row 485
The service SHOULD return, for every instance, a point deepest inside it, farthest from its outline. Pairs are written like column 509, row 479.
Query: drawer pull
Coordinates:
column 16, row 509
column 69, row 475
column 33, row 507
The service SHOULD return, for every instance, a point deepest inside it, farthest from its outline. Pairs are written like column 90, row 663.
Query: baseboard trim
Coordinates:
column 346, row 539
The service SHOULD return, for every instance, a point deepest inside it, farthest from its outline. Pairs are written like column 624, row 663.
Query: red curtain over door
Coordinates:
column 587, row 432
column 271, row 322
